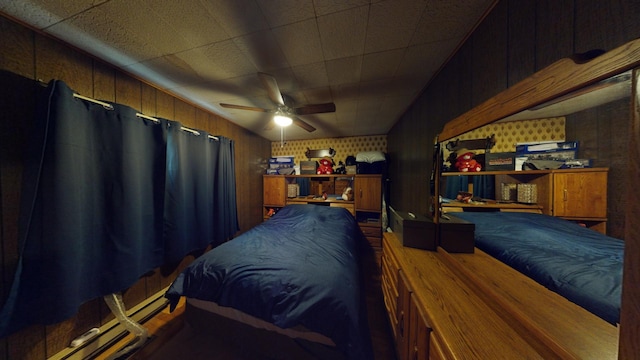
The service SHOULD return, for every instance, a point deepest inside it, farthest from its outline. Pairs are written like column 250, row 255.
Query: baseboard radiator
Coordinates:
column 116, row 329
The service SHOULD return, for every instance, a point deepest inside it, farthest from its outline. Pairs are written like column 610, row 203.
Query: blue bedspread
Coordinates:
column 298, row 268
column 580, row 264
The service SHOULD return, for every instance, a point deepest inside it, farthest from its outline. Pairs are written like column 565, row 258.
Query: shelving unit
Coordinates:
column 366, row 205
column 574, row 194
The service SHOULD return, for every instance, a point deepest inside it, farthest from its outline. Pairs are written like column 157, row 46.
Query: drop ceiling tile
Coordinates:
column 381, row 64
column 195, row 26
column 444, row 20
column 283, row 12
column 318, row 95
column 350, row 52
column 343, row 34
column 325, row 7
column 238, row 17
column 300, row 42
column 99, row 28
column 261, row 48
column 44, row 13
column 219, row 60
column 422, row 61
column 345, row 91
column 344, row 70
column 311, row 75
column 392, row 24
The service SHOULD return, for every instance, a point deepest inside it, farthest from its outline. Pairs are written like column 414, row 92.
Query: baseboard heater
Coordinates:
column 114, row 331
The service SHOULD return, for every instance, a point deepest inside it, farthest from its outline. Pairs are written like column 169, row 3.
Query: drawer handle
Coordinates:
column 565, row 194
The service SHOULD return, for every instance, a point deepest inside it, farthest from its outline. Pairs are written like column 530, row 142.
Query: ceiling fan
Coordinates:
column 285, row 105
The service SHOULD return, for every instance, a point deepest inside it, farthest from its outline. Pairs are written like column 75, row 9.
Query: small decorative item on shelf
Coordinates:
column 271, row 212
column 527, row 193
column 347, row 194
column 509, row 192
column 293, row 190
column 464, row 196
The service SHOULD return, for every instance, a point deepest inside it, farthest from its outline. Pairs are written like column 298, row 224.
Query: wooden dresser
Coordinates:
column 471, row 306
column 366, row 204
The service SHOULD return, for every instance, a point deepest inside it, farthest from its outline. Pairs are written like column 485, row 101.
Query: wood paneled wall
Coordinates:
column 516, row 39
column 25, row 56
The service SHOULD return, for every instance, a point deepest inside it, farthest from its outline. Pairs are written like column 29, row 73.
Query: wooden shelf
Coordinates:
column 501, row 172
column 521, row 172
column 507, row 206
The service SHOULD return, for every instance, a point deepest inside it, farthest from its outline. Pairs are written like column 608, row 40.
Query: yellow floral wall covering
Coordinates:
column 507, row 134
column 343, row 146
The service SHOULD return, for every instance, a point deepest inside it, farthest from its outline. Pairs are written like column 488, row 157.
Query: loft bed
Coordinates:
column 291, row 284
column 486, row 270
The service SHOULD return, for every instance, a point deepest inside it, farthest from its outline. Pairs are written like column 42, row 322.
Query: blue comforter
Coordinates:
column 580, row 264
column 298, row 268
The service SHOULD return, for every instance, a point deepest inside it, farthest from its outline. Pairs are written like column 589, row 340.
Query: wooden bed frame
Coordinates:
column 257, row 342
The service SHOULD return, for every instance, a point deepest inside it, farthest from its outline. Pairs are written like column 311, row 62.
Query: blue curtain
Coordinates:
column 200, row 205
column 454, row 184
column 103, row 205
column 189, row 203
column 483, row 186
column 225, row 192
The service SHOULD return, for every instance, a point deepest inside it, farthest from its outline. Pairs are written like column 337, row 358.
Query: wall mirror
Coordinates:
column 597, row 103
column 588, row 116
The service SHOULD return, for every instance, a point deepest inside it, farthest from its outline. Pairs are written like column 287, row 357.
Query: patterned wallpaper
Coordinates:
column 507, row 134
column 343, row 146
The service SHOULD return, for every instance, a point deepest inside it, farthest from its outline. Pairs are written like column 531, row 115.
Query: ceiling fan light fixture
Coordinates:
column 282, row 120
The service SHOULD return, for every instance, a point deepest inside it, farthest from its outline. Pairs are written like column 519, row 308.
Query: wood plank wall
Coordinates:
column 25, row 56
column 518, row 38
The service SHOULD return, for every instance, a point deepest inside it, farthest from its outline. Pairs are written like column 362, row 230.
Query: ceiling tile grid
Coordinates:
column 371, row 58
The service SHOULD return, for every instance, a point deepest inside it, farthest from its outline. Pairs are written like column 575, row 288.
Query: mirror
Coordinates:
column 595, row 117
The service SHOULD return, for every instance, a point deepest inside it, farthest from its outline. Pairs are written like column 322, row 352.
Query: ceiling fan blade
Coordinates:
column 242, row 107
column 316, row 109
column 271, row 85
column 303, row 124
column 270, row 125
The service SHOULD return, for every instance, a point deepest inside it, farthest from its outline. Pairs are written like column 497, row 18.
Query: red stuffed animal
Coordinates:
column 325, row 167
column 466, row 163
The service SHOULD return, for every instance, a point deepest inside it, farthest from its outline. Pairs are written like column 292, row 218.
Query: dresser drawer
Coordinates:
column 371, row 231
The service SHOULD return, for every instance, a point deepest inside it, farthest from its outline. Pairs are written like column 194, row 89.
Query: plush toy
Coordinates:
column 466, row 163
column 347, row 194
column 325, row 167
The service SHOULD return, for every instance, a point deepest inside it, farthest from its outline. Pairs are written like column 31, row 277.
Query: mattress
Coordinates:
column 300, row 267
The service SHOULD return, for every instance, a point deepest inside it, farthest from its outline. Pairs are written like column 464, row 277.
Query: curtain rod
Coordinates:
column 110, row 107
column 195, row 132
column 104, row 104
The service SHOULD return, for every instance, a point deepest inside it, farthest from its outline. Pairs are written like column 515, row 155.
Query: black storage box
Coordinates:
column 376, row 167
column 456, row 235
column 499, row 161
column 308, row 167
column 416, row 231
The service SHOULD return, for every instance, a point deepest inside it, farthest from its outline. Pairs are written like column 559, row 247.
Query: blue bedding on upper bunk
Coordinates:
column 298, row 268
column 580, row 264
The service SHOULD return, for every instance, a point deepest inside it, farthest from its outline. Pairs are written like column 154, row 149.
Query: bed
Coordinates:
column 580, row 264
column 298, row 270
